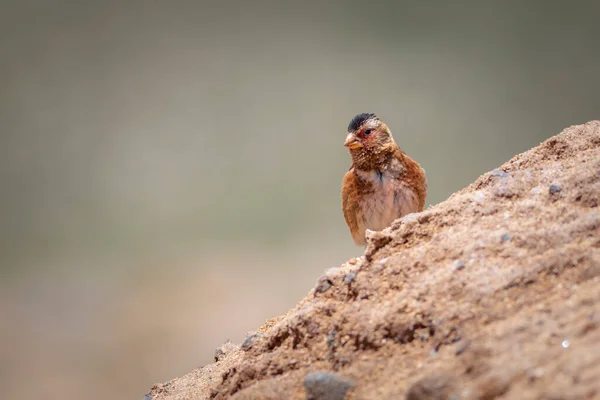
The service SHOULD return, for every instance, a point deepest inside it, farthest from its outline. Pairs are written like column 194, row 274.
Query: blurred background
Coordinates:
column 170, row 171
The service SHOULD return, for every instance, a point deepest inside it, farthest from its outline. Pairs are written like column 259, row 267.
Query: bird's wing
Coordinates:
column 350, row 205
column 414, row 176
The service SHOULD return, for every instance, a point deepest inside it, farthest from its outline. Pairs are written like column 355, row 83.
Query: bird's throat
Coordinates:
column 371, row 159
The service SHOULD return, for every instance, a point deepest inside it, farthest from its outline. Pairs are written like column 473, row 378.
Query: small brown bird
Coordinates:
column 383, row 183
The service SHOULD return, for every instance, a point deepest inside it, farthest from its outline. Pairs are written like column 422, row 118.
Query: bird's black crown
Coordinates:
column 359, row 120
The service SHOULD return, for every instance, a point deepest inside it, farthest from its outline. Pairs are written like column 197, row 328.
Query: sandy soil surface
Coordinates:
column 492, row 294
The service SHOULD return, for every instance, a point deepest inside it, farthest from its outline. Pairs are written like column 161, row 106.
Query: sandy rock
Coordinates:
column 492, row 293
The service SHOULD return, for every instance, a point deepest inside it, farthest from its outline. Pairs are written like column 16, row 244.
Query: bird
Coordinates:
column 383, row 183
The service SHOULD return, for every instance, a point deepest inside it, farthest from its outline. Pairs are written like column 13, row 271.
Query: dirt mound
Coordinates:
column 494, row 293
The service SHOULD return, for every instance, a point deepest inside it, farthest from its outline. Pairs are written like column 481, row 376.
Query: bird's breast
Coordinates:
column 388, row 199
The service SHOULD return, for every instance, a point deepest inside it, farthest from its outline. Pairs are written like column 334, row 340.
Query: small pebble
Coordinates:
column 349, row 278
column 249, row 340
column 326, row 386
column 409, row 218
column 458, row 265
column 323, row 285
column 500, row 173
column 224, row 349
column 219, row 354
column 432, row 387
column 505, row 237
column 554, row 189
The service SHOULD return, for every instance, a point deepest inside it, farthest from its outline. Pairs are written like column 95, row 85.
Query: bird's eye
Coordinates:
column 368, row 132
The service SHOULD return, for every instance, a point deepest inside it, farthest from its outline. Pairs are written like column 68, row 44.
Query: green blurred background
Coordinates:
column 170, row 171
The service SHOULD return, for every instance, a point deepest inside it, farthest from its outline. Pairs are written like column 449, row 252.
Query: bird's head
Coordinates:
column 367, row 134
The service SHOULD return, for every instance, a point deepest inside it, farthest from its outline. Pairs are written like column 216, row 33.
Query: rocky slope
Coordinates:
column 494, row 293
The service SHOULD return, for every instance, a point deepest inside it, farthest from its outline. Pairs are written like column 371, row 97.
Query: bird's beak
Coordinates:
column 352, row 142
